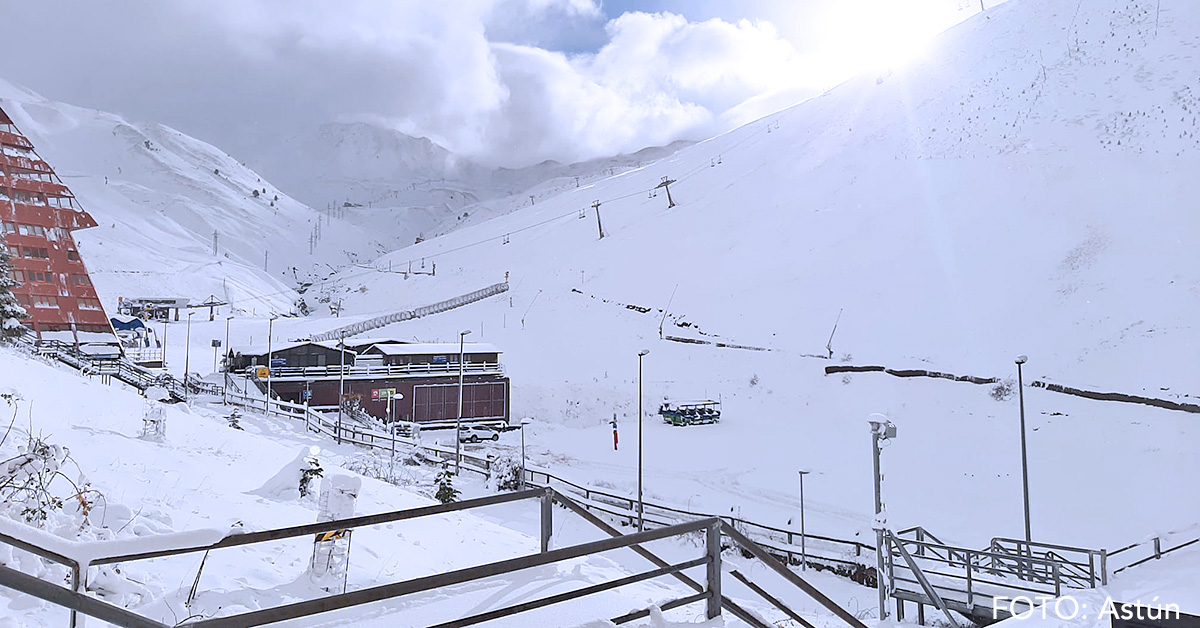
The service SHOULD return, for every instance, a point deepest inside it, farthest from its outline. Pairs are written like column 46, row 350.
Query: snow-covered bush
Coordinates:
column 32, row 484
column 1003, row 390
column 505, row 474
column 446, row 492
column 309, row 474
column 379, row 465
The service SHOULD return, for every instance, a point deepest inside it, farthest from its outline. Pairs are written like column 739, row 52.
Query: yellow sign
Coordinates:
column 331, row 536
column 261, row 372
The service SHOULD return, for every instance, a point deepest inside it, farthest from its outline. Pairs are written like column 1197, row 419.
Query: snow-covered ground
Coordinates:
column 206, row 479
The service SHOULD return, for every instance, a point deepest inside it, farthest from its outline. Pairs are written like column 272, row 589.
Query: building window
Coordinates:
column 34, row 276
column 32, row 230
column 73, row 255
column 44, row 301
column 9, row 227
column 18, row 275
column 89, row 304
column 81, row 280
column 14, row 251
column 35, row 252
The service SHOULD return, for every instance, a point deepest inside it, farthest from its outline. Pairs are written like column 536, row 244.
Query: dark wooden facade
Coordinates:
column 421, row 379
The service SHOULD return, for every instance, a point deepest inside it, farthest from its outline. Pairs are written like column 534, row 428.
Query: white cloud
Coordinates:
column 474, row 75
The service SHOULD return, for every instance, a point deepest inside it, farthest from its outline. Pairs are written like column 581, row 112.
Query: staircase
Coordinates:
column 120, row 368
column 985, row 585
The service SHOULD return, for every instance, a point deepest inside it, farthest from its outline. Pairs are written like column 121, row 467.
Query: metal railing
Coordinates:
column 965, row 579
column 1153, row 548
column 120, row 368
column 396, row 370
column 819, row 549
column 76, row 599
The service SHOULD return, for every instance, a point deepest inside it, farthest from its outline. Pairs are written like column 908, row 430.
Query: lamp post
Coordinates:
column 881, row 430
column 803, row 547
column 225, row 393
column 341, row 385
column 524, row 422
column 1024, row 460
column 270, row 332
column 641, row 506
column 458, row 422
column 187, row 346
column 164, row 345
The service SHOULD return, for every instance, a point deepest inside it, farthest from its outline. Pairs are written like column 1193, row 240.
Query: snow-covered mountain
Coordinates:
column 162, row 197
column 411, row 187
column 1025, row 188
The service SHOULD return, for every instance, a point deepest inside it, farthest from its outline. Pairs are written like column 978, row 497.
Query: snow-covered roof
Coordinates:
column 262, row 348
column 84, row 336
column 430, row 348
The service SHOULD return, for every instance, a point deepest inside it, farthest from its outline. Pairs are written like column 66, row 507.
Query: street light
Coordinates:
column 1024, row 461
column 187, row 345
column 458, row 422
column 641, row 506
column 525, row 421
column 270, row 326
column 227, row 350
column 164, row 345
column 803, row 549
column 341, row 384
column 882, row 429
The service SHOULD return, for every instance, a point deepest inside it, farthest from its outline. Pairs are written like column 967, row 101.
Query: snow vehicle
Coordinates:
column 691, row 413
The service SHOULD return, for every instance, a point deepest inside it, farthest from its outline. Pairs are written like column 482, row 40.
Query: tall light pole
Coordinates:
column 458, row 422
column 270, row 332
column 227, row 351
column 341, row 384
column 524, row 422
column 641, row 506
column 1024, row 460
column 881, row 430
column 803, row 547
column 164, row 345
column 187, row 346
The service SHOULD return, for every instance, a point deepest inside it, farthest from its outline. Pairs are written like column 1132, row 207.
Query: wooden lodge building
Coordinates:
column 425, row 374
column 37, row 215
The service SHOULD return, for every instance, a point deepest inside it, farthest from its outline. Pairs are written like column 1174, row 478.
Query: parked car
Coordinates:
column 476, row 433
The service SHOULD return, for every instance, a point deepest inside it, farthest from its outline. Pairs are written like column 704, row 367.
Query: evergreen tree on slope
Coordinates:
column 11, row 312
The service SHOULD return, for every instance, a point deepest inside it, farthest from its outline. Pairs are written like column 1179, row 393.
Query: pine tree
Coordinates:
column 11, row 312
column 446, row 492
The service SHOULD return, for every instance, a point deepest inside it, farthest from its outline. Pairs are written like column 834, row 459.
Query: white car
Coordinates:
column 476, row 433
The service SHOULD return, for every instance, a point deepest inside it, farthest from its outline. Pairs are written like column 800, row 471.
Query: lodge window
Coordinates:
column 9, row 227
column 44, row 301
column 32, row 230
column 33, row 276
column 35, row 252
column 81, row 280
column 14, row 251
column 89, row 304
column 73, row 255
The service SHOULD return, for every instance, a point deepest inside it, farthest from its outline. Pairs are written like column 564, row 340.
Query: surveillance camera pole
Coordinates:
column 881, row 429
column 641, row 505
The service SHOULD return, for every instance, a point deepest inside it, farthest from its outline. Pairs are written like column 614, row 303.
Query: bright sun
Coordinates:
column 867, row 35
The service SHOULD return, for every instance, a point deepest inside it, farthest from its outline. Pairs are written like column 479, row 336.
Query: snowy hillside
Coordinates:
column 411, row 187
column 1024, row 188
column 160, row 195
